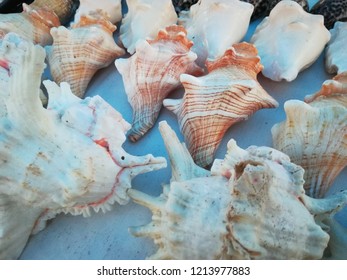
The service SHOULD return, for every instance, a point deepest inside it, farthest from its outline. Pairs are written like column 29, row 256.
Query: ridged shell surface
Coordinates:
column 332, row 10
column 153, row 72
column 144, row 20
column 229, row 93
column 215, row 25
column 32, row 24
column 314, row 135
column 77, row 53
column 66, row 158
column 336, row 52
column 300, row 39
column 251, row 206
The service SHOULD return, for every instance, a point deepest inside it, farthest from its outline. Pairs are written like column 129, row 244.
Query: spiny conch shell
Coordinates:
column 64, row 9
column 314, row 135
column 332, row 10
column 229, row 93
column 263, row 7
column 66, row 158
column 31, row 24
column 112, row 7
column 77, row 53
column 215, row 25
column 300, row 39
column 251, row 206
column 336, row 53
column 153, row 72
column 144, row 20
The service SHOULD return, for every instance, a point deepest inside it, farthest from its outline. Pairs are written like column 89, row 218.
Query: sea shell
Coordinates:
column 336, row 53
column 332, row 10
column 215, row 25
column 77, row 53
column 32, row 24
column 263, row 7
column 300, row 38
column 144, row 20
column 66, row 158
column 112, row 7
column 153, row 72
column 64, row 9
column 251, row 206
column 229, row 93
column 314, row 135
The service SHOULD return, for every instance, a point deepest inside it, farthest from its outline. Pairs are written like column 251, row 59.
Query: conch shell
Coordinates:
column 336, row 53
column 215, row 25
column 153, row 72
column 332, row 10
column 77, row 53
column 66, row 158
column 64, row 9
column 32, row 24
column 144, row 20
column 112, row 7
column 300, row 39
column 314, row 135
column 229, row 93
column 251, row 206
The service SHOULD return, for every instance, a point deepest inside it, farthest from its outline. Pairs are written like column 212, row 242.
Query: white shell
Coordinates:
column 66, row 158
column 144, row 20
column 336, row 52
column 215, row 25
column 289, row 40
column 112, row 7
column 251, row 206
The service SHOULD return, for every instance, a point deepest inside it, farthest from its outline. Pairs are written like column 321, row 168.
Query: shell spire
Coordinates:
column 153, row 72
column 229, row 93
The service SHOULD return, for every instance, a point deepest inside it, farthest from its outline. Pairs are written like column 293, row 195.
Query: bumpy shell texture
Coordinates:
column 215, row 25
column 77, row 53
column 314, row 135
column 153, row 72
column 300, row 39
column 251, row 206
column 229, row 93
column 332, row 10
column 66, row 158
column 144, row 20
column 32, row 24
column 336, row 52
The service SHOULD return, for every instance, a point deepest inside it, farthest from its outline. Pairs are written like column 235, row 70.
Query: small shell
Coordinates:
column 77, row 53
column 112, row 7
column 251, row 206
column 144, row 20
column 215, row 25
column 61, row 159
column 153, row 72
column 64, row 9
column 300, row 39
column 315, row 135
column 336, row 52
column 32, row 24
column 229, row 93
column 332, row 10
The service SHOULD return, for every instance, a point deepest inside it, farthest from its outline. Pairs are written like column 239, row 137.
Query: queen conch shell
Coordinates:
column 112, row 7
column 229, row 93
column 144, row 20
column 153, row 72
column 336, row 53
column 251, row 206
column 66, row 158
column 77, row 53
column 300, row 39
column 31, row 24
column 215, row 25
column 332, row 10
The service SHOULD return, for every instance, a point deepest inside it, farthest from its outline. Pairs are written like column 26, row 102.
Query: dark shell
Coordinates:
column 183, row 5
column 332, row 10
